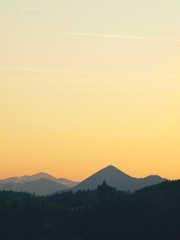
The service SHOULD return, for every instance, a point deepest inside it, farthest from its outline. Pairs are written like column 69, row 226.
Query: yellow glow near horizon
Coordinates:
column 76, row 96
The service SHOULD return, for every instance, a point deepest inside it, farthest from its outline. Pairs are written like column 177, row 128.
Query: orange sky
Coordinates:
column 86, row 85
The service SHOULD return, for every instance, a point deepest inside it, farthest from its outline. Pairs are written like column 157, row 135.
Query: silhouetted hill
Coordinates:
column 104, row 213
column 118, row 179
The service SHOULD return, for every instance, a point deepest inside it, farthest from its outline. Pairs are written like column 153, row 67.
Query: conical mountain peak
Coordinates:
column 115, row 178
column 112, row 168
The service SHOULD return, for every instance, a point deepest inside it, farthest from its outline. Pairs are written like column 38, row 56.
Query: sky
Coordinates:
column 86, row 84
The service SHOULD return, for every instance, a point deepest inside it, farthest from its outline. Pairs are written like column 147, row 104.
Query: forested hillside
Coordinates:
column 104, row 213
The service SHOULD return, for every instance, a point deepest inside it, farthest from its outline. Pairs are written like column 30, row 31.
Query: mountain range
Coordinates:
column 40, row 184
column 43, row 183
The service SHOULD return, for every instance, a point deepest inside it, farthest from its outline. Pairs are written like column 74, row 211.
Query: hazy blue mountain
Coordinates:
column 40, row 175
column 39, row 187
column 28, row 178
column 44, row 175
column 118, row 179
column 67, row 182
column 40, row 183
column 15, row 179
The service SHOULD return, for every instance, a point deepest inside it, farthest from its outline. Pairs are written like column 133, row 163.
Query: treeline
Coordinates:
column 105, row 213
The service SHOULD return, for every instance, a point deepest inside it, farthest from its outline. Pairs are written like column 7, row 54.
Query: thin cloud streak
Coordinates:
column 106, row 89
column 33, row 8
column 125, row 75
column 120, row 36
column 53, row 71
column 26, row 69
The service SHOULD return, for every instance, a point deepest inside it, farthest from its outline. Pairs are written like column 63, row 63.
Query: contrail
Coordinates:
column 120, row 36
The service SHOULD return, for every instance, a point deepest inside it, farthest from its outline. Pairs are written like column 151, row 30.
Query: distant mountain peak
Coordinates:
column 42, row 183
column 41, row 174
column 110, row 166
column 116, row 178
column 110, row 169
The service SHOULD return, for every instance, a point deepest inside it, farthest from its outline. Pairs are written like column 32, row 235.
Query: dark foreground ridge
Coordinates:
column 152, row 213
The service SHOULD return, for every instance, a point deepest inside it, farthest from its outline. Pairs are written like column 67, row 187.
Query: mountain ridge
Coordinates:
column 112, row 175
column 36, row 176
column 118, row 179
column 40, row 184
